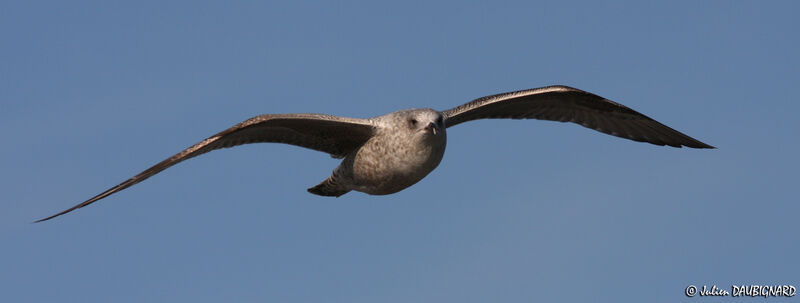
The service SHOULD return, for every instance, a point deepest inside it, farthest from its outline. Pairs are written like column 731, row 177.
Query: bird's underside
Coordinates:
column 391, row 147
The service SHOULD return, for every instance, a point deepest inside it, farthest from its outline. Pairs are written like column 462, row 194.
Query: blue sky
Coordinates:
column 93, row 92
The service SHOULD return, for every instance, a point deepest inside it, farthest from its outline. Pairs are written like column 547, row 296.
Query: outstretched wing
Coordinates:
column 331, row 134
column 567, row 104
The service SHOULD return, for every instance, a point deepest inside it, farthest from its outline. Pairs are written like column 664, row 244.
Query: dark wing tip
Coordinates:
column 102, row 195
column 697, row 145
column 705, row 146
column 53, row 216
column 69, row 210
column 61, row 213
column 701, row 145
column 684, row 141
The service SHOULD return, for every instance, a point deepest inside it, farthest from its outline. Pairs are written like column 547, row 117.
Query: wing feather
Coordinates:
column 567, row 104
column 337, row 136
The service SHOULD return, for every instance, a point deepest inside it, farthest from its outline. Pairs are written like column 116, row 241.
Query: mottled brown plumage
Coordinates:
column 386, row 154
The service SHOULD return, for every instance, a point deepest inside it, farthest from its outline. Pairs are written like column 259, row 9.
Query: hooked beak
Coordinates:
column 431, row 127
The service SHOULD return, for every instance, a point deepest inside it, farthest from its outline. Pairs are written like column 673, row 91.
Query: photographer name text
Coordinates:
column 742, row 291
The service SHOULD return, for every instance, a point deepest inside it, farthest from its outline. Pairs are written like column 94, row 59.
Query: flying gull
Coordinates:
column 386, row 154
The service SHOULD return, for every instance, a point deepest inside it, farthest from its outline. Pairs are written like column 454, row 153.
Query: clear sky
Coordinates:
column 93, row 92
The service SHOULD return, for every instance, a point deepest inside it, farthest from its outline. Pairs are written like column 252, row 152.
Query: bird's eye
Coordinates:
column 439, row 121
column 413, row 121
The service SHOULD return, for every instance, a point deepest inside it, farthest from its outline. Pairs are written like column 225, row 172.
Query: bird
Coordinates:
column 386, row 154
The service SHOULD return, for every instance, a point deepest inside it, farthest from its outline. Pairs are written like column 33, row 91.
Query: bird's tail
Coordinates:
column 329, row 188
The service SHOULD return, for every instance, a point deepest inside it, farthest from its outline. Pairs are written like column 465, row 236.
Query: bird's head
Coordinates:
column 425, row 122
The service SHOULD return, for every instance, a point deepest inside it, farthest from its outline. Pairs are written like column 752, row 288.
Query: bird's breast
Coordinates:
column 384, row 167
